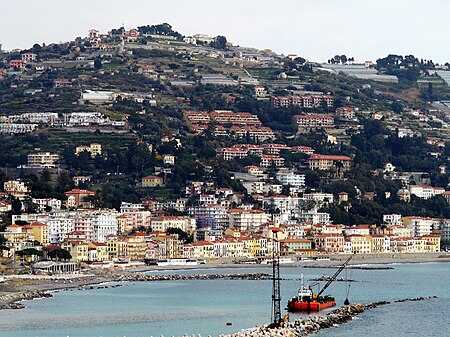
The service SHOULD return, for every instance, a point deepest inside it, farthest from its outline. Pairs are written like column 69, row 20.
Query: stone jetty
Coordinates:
column 313, row 324
column 12, row 301
column 182, row 277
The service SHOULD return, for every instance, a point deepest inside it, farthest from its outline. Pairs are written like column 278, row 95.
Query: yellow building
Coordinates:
column 433, row 242
column 40, row 233
column 94, row 149
column 136, row 246
column 15, row 233
column 78, row 250
column 43, row 159
column 235, row 248
column 117, row 247
column 152, row 181
column 98, row 251
column 124, row 223
column 360, row 243
column 377, row 244
column 233, row 232
column 204, row 250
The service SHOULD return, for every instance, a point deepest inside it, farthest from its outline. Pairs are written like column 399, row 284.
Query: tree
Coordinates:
column 301, row 60
column 219, row 42
column 182, row 235
column 16, row 206
column 36, row 48
column 397, row 107
column 46, row 176
column 98, row 63
column 59, row 254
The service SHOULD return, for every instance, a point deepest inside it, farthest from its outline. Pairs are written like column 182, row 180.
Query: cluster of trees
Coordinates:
column 163, row 29
column 219, row 42
column 406, row 68
column 341, row 59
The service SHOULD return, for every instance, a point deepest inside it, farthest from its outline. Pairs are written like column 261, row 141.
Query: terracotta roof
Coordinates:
column 328, row 157
column 38, row 224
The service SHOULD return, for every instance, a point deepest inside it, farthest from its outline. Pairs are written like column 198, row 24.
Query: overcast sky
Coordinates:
column 314, row 29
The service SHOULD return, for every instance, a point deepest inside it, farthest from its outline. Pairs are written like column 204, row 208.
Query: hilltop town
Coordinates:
column 139, row 145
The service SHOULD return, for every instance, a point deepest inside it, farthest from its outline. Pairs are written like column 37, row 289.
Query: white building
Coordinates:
column 318, row 198
column 315, row 217
column 243, row 220
column 102, row 226
column 289, row 178
column 425, row 192
column 392, row 219
column 45, row 203
column 98, row 96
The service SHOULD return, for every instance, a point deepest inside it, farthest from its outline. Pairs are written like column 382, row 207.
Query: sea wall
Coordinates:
column 313, row 324
column 12, row 300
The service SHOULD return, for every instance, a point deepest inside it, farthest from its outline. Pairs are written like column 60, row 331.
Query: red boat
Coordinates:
column 307, row 301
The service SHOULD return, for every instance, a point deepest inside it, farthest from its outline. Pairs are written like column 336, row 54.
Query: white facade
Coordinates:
column 102, row 226
column 392, row 219
column 425, row 192
column 289, row 178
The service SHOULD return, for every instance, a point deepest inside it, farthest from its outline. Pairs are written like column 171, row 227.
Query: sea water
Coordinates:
column 205, row 306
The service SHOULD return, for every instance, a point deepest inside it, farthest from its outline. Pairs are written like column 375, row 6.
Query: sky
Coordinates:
column 314, row 29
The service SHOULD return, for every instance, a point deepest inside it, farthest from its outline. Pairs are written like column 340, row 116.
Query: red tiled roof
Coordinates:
column 328, row 157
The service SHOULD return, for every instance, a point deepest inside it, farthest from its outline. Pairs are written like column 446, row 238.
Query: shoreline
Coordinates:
column 20, row 288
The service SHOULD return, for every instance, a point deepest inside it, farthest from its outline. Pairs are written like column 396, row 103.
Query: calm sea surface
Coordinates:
column 204, row 307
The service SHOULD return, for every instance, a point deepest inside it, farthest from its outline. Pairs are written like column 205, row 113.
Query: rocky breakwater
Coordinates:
column 183, row 277
column 12, row 301
column 313, row 324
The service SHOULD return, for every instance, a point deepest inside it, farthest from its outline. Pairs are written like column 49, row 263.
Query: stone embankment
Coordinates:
column 183, row 277
column 12, row 301
column 313, row 324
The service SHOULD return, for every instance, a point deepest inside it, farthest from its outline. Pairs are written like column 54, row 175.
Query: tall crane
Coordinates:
column 333, row 278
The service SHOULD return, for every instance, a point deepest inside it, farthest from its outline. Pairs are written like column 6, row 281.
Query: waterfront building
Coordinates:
column 330, row 243
column 291, row 246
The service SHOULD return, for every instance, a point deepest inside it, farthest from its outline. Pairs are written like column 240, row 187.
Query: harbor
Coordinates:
column 167, row 308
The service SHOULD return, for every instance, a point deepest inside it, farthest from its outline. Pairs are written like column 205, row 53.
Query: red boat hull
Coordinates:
column 296, row 306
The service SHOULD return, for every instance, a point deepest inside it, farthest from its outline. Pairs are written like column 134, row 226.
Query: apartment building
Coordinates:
column 94, row 149
column 309, row 122
column 267, row 160
column 152, row 181
column 243, row 220
column 304, row 101
column 162, row 223
column 77, row 198
column 330, row 243
column 44, row 159
column 17, row 188
column 425, row 192
column 320, row 162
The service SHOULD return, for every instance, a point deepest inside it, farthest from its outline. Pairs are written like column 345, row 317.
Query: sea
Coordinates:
column 204, row 307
